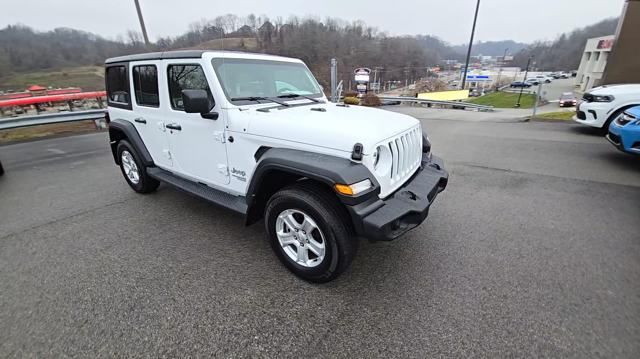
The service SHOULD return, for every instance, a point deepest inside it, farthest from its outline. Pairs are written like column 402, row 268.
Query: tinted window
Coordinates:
column 117, row 85
column 185, row 77
column 145, row 85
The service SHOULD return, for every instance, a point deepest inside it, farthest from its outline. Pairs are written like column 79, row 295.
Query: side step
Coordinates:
column 226, row 200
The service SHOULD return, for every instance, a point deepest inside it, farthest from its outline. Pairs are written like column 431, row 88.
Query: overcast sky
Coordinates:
column 520, row 20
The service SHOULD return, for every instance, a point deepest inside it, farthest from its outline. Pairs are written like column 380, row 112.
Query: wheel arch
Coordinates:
column 620, row 108
column 278, row 168
column 124, row 130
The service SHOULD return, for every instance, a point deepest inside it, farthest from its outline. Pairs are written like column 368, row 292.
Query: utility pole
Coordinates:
column 526, row 71
column 473, row 30
column 500, row 70
column 334, row 80
column 144, row 29
column 535, row 105
column 375, row 77
column 406, row 77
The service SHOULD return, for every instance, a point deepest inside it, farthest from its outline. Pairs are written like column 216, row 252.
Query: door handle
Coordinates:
column 140, row 120
column 174, row 126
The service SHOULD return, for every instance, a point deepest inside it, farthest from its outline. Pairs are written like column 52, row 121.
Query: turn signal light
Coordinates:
column 344, row 189
column 354, row 189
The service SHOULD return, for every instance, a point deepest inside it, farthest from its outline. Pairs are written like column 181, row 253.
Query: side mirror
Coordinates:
column 196, row 101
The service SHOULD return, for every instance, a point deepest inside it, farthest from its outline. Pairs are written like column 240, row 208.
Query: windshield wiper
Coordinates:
column 295, row 95
column 258, row 99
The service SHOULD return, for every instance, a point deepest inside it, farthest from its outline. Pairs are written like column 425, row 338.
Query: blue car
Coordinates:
column 624, row 131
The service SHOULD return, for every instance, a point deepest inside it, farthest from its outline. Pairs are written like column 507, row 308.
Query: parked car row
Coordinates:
column 520, row 84
column 615, row 110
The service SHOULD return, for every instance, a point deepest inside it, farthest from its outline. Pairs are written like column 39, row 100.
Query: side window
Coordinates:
column 117, row 86
column 145, row 85
column 185, row 77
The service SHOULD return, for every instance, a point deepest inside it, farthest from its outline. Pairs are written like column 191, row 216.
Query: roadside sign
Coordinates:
column 362, row 74
column 476, row 78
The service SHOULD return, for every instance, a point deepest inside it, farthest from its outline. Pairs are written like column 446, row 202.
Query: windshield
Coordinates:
column 245, row 78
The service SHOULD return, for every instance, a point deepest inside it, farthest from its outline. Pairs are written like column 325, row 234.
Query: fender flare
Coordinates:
column 132, row 136
column 327, row 169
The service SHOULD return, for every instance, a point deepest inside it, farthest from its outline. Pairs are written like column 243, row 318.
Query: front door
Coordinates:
column 197, row 144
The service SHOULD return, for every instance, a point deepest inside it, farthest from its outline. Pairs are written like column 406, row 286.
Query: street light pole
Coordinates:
column 473, row 30
column 526, row 71
column 500, row 70
column 144, row 29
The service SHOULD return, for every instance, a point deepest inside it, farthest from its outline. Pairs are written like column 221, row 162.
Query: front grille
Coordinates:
column 581, row 115
column 587, row 97
column 406, row 153
column 614, row 138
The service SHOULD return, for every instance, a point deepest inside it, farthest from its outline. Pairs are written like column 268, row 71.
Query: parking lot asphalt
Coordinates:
column 533, row 250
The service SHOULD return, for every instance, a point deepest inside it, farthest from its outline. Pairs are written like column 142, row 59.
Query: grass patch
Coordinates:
column 89, row 78
column 54, row 129
column 557, row 116
column 504, row 100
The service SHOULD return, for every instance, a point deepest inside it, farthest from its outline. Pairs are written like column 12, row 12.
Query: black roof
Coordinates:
column 182, row 54
column 176, row 54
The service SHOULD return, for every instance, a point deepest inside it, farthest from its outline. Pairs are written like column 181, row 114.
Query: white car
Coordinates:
column 544, row 79
column 254, row 133
column 603, row 104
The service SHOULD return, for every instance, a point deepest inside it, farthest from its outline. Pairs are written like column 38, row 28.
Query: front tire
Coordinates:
column 308, row 232
column 133, row 170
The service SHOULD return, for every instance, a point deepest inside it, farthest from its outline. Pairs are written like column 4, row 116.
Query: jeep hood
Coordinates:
column 328, row 125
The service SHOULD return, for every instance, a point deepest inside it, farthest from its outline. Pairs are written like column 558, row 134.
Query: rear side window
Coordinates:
column 185, row 77
column 145, row 85
column 118, row 87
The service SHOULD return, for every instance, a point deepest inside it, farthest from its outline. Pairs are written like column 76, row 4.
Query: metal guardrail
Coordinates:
column 463, row 105
column 49, row 118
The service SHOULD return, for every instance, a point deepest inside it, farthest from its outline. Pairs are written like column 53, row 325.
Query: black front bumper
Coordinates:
column 387, row 219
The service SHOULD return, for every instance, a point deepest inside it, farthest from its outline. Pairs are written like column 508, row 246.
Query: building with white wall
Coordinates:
column 594, row 60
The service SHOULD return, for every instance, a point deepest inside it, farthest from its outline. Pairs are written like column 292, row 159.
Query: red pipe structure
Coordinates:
column 51, row 98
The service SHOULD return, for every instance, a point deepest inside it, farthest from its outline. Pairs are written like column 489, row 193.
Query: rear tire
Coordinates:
column 309, row 233
column 133, row 170
column 1, row 169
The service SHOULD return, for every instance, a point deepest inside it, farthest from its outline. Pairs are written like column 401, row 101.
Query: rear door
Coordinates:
column 148, row 112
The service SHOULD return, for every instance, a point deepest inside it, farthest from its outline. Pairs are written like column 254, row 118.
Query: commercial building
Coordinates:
column 594, row 62
column 623, row 65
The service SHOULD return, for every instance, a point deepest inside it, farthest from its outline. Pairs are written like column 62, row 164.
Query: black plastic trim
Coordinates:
column 224, row 199
column 176, row 54
column 132, row 135
column 324, row 168
column 387, row 219
column 180, row 54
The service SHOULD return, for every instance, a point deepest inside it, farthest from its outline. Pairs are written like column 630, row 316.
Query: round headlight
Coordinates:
column 382, row 160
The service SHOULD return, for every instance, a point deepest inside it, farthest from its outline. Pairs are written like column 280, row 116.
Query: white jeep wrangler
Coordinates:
column 255, row 134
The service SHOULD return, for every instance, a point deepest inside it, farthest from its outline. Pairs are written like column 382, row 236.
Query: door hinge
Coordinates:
column 223, row 169
column 219, row 136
